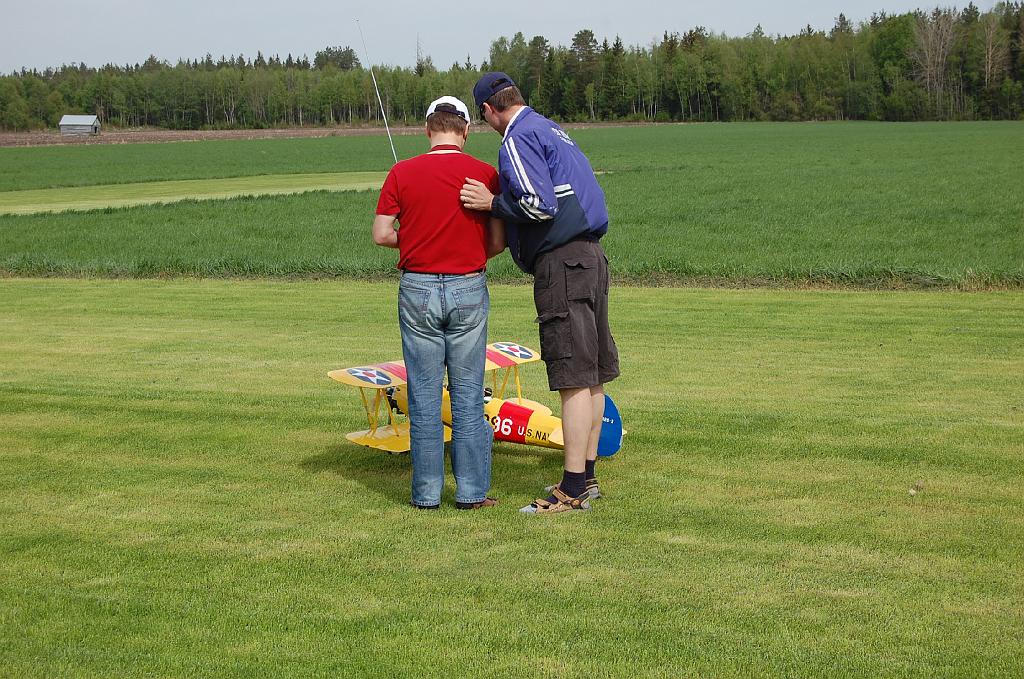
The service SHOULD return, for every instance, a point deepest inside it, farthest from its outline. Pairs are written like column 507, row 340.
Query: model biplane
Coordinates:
column 515, row 420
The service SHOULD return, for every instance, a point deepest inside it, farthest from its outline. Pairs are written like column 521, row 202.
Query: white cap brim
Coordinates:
column 460, row 107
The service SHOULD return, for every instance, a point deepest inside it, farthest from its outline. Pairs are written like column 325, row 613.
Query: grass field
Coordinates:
column 861, row 204
column 49, row 167
column 177, row 497
column 80, row 198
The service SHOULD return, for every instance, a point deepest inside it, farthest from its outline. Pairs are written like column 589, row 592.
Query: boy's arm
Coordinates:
column 495, row 237
column 384, row 232
column 388, row 210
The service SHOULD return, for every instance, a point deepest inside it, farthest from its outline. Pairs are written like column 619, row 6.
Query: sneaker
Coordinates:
column 486, row 502
column 593, row 490
column 563, row 503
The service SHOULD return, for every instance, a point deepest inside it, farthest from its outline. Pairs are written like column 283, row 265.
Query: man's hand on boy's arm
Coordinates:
column 476, row 196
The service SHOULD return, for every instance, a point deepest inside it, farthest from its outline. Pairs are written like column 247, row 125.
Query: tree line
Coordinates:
column 946, row 64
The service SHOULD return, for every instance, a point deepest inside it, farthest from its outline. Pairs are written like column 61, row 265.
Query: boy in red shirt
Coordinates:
column 443, row 303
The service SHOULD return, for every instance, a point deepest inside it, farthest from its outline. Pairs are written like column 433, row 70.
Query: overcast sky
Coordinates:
column 41, row 34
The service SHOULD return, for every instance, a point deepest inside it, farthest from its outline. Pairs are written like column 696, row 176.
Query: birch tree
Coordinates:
column 934, row 36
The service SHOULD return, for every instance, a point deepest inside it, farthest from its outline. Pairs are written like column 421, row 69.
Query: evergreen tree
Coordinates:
column 342, row 58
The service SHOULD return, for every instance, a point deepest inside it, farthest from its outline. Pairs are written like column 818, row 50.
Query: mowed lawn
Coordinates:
column 177, row 497
column 80, row 198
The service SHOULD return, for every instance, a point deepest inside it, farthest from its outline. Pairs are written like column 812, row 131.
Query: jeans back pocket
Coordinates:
column 412, row 301
column 472, row 303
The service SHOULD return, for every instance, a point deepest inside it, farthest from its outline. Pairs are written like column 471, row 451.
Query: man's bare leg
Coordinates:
column 581, row 428
column 597, row 419
column 582, row 415
column 577, row 426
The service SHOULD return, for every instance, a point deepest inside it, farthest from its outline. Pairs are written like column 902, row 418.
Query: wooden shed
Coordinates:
column 79, row 126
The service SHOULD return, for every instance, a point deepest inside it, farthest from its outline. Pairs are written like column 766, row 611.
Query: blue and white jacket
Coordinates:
column 549, row 195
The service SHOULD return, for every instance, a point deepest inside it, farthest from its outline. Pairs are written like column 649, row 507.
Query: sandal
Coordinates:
column 563, row 503
column 592, row 489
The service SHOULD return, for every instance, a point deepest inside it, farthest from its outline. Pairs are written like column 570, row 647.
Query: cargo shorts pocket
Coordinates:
column 555, row 336
column 581, row 279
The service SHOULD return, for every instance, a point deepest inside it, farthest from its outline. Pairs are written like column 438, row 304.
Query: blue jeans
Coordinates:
column 444, row 323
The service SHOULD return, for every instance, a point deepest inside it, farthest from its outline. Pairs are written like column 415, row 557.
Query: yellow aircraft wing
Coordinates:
column 387, row 434
column 379, row 376
column 392, row 374
column 393, row 438
column 507, row 354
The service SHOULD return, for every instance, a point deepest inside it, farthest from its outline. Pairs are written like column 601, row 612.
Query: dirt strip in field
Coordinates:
column 145, row 193
column 154, row 135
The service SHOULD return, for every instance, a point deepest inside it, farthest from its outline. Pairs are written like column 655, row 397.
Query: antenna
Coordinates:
column 376, row 89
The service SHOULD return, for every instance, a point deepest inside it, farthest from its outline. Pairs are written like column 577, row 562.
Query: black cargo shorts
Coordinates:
column 570, row 290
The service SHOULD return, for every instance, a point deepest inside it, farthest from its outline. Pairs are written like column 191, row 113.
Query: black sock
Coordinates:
column 590, row 469
column 573, row 483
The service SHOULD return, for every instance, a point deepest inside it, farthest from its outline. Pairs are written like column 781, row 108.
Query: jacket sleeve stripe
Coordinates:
column 515, row 162
column 530, row 201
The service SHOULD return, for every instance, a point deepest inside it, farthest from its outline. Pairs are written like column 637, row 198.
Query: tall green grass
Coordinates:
column 177, row 497
column 87, row 165
column 863, row 204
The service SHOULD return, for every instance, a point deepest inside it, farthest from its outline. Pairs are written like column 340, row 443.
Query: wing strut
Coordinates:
column 370, row 419
column 504, row 384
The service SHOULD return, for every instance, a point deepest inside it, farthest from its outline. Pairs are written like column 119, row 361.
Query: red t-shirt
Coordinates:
column 437, row 234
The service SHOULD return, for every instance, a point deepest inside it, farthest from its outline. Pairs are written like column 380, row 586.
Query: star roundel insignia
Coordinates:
column 371, row 375
column 513, row 350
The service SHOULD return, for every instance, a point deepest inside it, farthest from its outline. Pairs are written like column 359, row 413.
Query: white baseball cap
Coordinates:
column 460, row 108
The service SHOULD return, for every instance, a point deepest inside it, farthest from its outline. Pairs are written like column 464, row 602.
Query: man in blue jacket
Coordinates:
column 555, row 215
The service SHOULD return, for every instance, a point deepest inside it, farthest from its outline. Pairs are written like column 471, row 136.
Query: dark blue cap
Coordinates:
column 489, row 84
